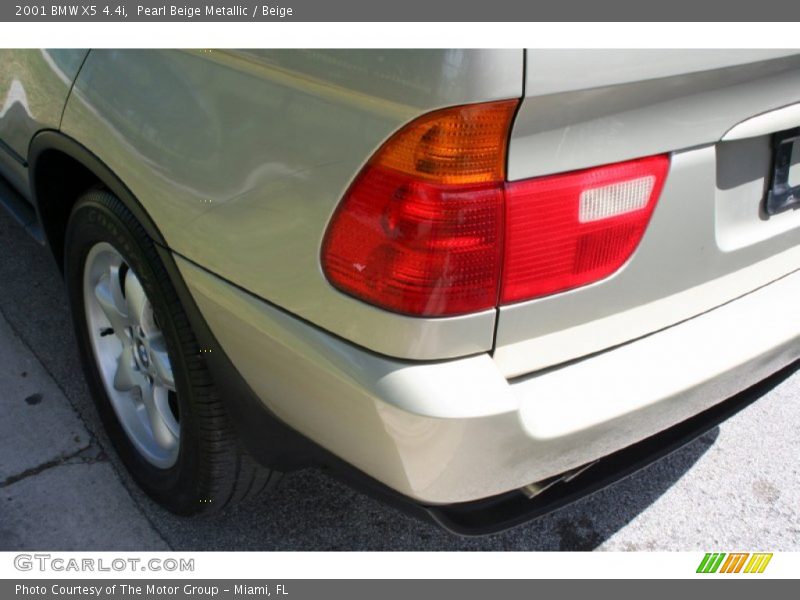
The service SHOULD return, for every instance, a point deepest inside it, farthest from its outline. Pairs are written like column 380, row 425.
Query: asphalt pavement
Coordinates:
column 737, row 488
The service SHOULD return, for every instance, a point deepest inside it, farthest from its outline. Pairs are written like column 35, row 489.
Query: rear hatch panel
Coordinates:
column 709, row 240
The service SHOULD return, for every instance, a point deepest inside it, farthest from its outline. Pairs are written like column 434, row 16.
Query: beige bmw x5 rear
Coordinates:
column 479, row 283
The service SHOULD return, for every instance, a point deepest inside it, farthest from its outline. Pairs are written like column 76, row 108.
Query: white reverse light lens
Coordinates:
column 615, row 199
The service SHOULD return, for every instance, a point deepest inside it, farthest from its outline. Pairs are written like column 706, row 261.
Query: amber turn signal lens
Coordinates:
column 458, row 145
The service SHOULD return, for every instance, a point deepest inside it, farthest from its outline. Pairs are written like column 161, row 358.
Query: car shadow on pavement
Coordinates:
column 330, row 511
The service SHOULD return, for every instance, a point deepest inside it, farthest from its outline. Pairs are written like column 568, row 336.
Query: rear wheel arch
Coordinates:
column 60, row 170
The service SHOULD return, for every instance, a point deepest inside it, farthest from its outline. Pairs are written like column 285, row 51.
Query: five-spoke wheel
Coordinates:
column 153, row 387
column 131, row 352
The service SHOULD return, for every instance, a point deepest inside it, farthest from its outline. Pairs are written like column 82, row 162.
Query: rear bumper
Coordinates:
column 455, row 432
column 503, row 511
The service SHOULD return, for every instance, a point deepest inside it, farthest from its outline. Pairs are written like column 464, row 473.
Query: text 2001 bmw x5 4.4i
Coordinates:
column 478, row 283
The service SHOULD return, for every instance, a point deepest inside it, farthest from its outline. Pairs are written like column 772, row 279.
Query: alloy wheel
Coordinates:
column 131, row 355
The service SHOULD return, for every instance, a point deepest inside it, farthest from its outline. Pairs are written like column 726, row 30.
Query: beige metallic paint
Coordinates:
column 241, row 158
column 34, row 85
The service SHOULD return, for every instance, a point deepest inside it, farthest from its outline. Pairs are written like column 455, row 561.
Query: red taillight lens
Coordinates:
column 429, row 224
column 568, row 230
column 420, row 230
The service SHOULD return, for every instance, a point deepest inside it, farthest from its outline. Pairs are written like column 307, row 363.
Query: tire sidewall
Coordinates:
column 95, row 219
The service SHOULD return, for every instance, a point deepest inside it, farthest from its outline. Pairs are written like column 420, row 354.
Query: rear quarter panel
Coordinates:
column 241, row 158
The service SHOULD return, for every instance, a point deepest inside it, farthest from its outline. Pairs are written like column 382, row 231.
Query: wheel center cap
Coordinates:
column 142, row 354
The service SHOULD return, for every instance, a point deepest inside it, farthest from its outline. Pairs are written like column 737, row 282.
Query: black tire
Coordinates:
column 212, row 470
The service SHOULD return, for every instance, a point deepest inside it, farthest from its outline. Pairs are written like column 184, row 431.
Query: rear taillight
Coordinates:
column 420, row 229
column 564, row 231
column 430, row 223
